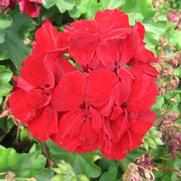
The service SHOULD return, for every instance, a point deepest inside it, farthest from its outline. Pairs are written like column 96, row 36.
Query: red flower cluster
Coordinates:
column 30, row 7
column 104, row 101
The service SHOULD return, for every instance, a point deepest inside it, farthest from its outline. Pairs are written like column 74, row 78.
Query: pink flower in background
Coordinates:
column 30, row 7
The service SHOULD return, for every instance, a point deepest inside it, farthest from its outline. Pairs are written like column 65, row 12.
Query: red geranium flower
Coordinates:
column 130, row 120
column 82, row 97
column 30, row 101
column 107, row 42
column 125, row 133
column 87, row 35
column 106, row 103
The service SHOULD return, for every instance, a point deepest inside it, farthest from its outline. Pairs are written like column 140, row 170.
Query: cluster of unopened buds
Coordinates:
column 30, row 7
column 167, row 79
column 174, row 16
column 171, row 132
column 141, row 170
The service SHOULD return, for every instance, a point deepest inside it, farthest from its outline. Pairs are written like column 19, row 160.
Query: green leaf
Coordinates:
column 175, row 39
column 49, row 3
column 153, row 33
column 177, row 72
column 5, row 127
column 62, row 5
column 5, row 77
column 82, row 164
column 174, row 36
column 66, row 172
column 85, row 164
column 2, row 36
column 159, row 103
column 87, row 7
column 45, row 175
column 111, row 174
column 5, row 21
column 23, row 134
column 23, row 165
column 142, row 7
column 105, row 4
column 14, row 47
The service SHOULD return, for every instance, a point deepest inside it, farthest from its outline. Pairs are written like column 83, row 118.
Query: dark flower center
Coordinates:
column 84, row 107
column 86, row 115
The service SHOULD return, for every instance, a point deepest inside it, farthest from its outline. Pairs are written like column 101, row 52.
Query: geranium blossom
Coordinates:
column 106, row 102
column 40, row 74
column 82, row 97
column 113, row 43
column 30, row 101
column 130, row 120
column 30, row 7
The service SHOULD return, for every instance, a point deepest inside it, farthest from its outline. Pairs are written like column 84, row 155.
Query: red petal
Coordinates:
column 142, row 54
column 145, row 68
column 116, row 150
column 134, row 140
column 96, row 121
column 76, row 134
column 49, row 40
column 141, row 29
column 83, row 41
column 127, row 48
column 108, row 53
column 38, row 70
column 143, row 94
column 23, row 84
column 114, row 128
column 142, row 123
column 101, row 84
column 44, row 125
column 126, row 79
column 24, row 105
column 111, row 19
column 70, row 92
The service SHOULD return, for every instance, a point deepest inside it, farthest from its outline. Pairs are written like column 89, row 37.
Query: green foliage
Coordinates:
column 76, row 8
column 23, row 165
column 111, row 174
column 62, row 5
column 45, row 175
column 84, row 163
column 152, row 139
column 143, row 11
column 66, row 172
column 5, row 77
column 87, row 7
column 14, row 47
column 177, row 72
column 5, row 22
column 5, row 127
column 111, row 4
